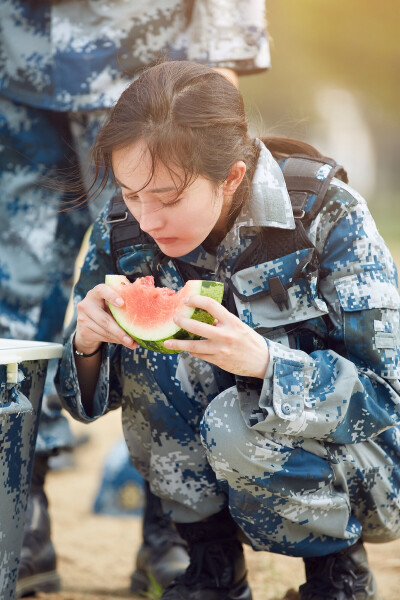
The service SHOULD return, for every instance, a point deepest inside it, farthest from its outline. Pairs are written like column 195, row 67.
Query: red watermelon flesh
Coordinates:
column 148, row 311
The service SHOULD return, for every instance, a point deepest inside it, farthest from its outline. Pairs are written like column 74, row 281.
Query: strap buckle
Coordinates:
column 298, row 214
column 279, row 293
column 119, row 217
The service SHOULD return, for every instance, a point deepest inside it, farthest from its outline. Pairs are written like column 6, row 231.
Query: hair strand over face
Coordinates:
column 191, row 119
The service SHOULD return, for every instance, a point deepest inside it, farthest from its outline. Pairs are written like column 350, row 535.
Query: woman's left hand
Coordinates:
column 228, row 344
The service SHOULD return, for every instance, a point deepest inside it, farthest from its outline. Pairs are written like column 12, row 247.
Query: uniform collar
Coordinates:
column 269, row 204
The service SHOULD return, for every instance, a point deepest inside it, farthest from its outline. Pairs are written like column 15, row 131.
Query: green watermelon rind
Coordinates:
column 211, row 289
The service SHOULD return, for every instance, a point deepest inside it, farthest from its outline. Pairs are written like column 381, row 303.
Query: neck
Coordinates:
column 220, row 229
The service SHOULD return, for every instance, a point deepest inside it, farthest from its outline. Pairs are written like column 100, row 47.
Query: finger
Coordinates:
column 210, row 358
column 122, row 338
column 198, row 347
column 105, row 327
column 105, row 292
column 210, row 305
column 197, row 327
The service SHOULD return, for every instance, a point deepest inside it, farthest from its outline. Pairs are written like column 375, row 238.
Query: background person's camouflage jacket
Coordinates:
column 81, row 54
column 63, row 64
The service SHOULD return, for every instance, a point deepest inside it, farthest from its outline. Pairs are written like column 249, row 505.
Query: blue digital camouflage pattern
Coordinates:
column 76, row 57
column 81, row 54
column 120, row 491
column 38, row 241
column 307, row 459
column 19, row 406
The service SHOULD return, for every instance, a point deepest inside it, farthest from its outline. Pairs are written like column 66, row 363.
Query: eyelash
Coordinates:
column 166, row 205
column 171, row 203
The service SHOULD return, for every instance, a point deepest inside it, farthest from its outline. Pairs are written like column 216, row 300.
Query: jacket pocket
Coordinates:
column 289, row 281
column 366, row 290
column 370, row 311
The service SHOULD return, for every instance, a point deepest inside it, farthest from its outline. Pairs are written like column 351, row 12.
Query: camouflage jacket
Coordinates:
column 345, row 392
column 81, row 54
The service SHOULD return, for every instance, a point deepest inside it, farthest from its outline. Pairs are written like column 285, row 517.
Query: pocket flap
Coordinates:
column 369, row 289
column 255, row 280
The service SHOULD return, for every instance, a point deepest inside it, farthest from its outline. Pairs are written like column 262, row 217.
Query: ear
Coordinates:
column 234, row 178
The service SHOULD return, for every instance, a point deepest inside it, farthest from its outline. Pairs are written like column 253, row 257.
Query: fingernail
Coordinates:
column 118, row 301
column 186, row 300
column 127, row 340
column 167, row 344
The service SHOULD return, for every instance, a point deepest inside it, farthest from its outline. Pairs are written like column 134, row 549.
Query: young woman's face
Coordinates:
column 178, row 224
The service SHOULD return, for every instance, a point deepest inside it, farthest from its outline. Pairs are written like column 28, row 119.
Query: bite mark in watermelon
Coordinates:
column 148, row 311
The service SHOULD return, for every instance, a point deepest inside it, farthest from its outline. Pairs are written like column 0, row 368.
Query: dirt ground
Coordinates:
column 96, row 553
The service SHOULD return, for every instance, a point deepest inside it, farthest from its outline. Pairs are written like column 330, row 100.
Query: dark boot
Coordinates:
column 217, row 569
column 342, row 576
column 37, row 570
column 163, row 554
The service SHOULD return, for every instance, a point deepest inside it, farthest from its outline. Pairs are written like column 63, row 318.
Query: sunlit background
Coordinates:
column 335, row 82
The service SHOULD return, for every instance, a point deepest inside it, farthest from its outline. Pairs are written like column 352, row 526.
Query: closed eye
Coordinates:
column 168, row 204
column 133, row 199
column 130, row 198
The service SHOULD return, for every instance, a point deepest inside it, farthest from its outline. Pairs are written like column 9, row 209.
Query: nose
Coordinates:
column 151, row 220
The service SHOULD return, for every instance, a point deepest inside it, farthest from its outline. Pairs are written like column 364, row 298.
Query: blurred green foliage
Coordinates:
column 348, row 45
column 353, row 44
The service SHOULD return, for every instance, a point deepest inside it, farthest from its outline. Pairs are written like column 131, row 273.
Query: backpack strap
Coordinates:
column 124, row 231
column 303, row 179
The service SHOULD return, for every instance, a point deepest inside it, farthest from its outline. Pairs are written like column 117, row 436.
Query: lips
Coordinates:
column 165, row 240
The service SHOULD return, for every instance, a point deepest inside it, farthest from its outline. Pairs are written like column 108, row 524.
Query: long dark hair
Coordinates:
column 192, row 119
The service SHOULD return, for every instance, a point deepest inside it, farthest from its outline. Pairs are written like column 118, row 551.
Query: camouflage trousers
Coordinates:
column 41, row 152
column 301, row 497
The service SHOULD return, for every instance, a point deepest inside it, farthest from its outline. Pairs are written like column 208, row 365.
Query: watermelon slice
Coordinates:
column 148, row 311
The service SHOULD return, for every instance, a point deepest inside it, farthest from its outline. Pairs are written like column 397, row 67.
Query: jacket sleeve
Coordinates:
column 351, row 391
column 223, row 33
column 108, row 393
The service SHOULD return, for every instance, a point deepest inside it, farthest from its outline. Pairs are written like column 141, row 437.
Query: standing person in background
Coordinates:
column 62, row 65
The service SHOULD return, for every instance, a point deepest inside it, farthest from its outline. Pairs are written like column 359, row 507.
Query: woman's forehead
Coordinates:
column 133, row 169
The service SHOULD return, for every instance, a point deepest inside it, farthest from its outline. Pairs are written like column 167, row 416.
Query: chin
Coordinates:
column 177, row 250
column 176, row 254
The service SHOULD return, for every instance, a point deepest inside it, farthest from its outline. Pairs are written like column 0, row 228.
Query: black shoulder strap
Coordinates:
column 303, row 178
column 124, row 231
column 300, row 172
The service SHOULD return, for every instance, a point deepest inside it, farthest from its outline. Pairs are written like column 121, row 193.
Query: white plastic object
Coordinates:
column 13, row 352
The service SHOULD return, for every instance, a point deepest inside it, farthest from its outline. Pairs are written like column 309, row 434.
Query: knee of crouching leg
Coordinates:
column 219, row 433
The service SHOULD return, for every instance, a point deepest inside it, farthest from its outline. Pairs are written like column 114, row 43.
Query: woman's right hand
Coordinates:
column 95, row 323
